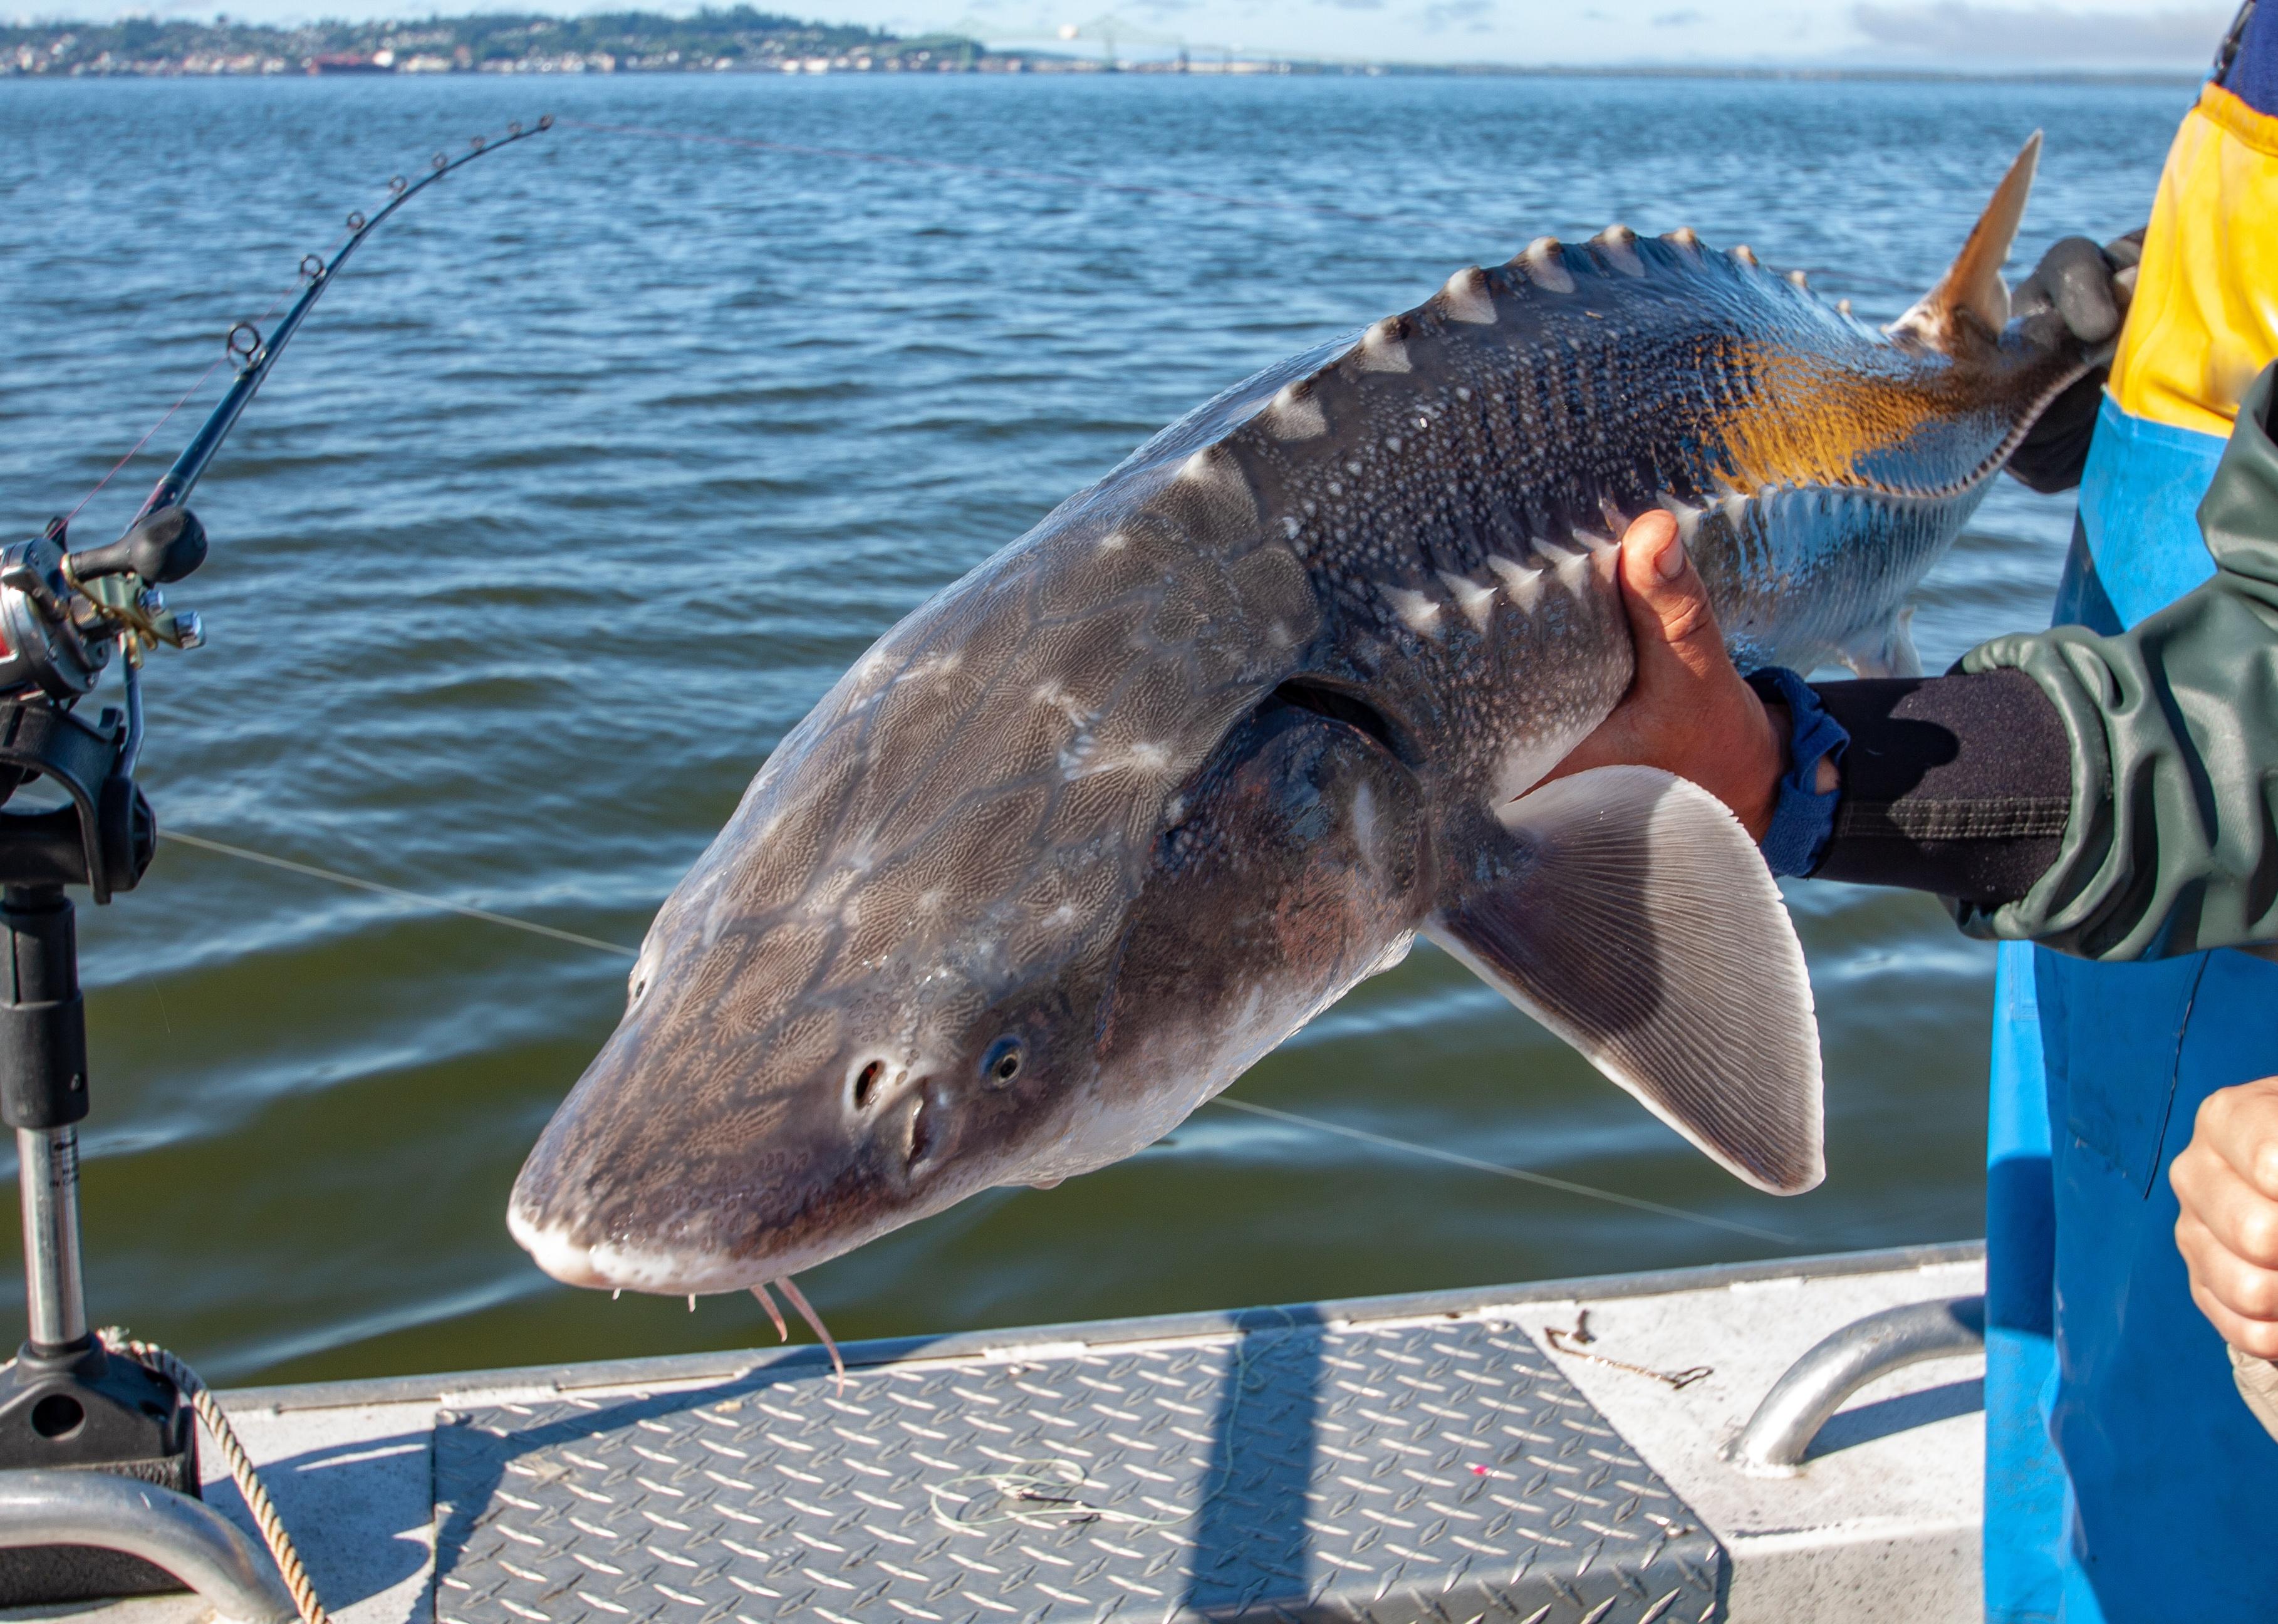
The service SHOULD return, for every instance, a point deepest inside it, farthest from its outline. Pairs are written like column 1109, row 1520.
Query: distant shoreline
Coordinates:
column 743, row 40
column 2131, row 79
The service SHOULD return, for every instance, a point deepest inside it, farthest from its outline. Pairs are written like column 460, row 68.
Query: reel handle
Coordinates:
column 164, row 546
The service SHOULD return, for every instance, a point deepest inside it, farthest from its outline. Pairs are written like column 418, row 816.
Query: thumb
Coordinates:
column 1671, row 617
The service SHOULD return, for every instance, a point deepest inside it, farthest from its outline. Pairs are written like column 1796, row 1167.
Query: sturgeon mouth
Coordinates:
column 655, row 1268
column 618, row 1266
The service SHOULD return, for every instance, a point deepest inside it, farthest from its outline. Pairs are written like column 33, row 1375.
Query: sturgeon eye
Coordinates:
column 1002, row 1064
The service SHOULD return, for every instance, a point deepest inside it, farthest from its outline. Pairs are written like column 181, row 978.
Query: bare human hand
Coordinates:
column 2227, row 1181
column 1687, row 711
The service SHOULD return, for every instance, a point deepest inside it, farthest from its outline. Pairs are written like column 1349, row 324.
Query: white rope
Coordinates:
column 242, row 1472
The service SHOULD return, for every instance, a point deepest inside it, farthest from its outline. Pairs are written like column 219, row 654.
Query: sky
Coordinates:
column 2104, row 34
column 1943, row 34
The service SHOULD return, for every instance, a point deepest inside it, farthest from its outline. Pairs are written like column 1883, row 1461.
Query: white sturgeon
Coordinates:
column 1106, row 820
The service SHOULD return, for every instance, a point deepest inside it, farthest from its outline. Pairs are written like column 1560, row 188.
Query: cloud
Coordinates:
column 2046, row 33
column 1354, row 5
column 1446, row 14
column 1680, row 20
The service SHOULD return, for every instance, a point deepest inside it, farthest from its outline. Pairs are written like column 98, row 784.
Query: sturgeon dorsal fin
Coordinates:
column 1636, row 920
column 1971, row 302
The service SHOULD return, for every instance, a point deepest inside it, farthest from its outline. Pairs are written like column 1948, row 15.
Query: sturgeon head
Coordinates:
column 1104, row 821
column 1048, row 867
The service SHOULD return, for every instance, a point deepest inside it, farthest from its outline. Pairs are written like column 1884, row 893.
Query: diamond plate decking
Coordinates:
column 1388, row 1473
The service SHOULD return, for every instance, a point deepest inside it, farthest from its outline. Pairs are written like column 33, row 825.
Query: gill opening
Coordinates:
column 1341, row 705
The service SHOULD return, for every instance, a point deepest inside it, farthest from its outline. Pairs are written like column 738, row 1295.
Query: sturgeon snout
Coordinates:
column 692, row 1158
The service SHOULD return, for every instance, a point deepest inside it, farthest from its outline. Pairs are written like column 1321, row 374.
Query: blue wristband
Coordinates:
column 1803, row 818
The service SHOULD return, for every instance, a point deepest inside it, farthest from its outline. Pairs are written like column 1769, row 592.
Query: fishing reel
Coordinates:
column 62, row 615
column 64, row 618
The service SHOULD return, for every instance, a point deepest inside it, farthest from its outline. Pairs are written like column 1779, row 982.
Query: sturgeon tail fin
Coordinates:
column 1970, row 304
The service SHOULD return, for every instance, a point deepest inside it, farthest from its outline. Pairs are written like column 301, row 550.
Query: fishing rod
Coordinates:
column 67, row 1402
column 245, row 340
column 62, row 613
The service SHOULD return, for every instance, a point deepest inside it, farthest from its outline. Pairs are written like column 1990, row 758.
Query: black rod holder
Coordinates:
column 65, row 1402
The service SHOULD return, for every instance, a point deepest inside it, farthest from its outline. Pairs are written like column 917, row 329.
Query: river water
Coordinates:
column 605, row 458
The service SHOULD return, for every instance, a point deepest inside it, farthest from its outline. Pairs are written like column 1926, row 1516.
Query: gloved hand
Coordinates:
column 2085, row 288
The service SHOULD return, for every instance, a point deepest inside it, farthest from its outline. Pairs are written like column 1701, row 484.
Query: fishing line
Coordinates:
column 135, row 450
column 1407, row 1147
column 1455, row 1159
column 398, row 892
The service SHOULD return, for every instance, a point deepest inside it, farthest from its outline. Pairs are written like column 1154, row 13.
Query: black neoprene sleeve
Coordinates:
column 1959, row 785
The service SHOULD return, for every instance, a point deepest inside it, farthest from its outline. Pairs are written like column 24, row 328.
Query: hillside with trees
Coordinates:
column 609, row 42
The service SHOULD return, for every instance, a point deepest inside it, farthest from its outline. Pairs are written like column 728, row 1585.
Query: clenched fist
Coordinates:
column 2227, row 1180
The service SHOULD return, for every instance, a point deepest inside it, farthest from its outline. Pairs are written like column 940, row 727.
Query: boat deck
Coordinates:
column 1437, row 1456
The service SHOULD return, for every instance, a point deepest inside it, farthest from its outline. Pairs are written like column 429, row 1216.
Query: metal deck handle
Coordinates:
column 187, row 1537
column 1815, row 1385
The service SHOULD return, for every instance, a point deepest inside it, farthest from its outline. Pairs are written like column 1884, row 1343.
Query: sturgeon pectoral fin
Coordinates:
column 1640, row 923
column 1972, row 285
column 1887, row 650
